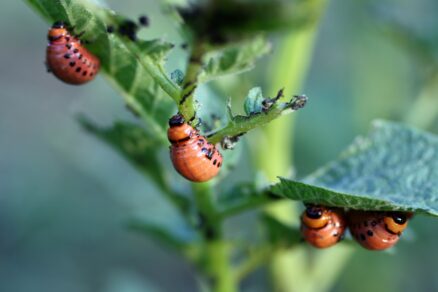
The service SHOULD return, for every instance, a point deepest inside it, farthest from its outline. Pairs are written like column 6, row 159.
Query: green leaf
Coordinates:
column 234, row 59
column 135, row 68
column 254, row 101
column 157, row 49
column 142, row 150
column 244, row 197
column 394, row 168
column 134, row 143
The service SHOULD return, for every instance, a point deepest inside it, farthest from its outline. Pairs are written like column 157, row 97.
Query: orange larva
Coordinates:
column 377, row 230
column 192, row 155
column 321, row 226
column 68, row 59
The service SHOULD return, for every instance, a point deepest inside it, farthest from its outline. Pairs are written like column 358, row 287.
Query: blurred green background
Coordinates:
column 64, row 195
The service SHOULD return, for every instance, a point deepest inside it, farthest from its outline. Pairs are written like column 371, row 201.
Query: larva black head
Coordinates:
column 314, row 212
column 59, row 24
column 57, row 32
column 176, row 120
column 395, row 222
column 399, row 218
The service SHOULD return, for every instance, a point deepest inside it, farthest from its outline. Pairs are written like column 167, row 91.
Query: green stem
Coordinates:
column 185, row 101
column 160, row 77
column 216, row 251
column 290, row 68
column 239, row 125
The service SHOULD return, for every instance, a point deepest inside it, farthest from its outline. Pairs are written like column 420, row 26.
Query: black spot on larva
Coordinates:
column 204, row 150
column 210, row 154
column 78, row 69
column 68, row 46
column 80, row 56
column 362, row 236
column 67, row 39
column 67, row 56
column 219, row 164
column 72, row 63
column 373, row 223
column 335, row 234
column 370, row 233
column 84, row 73
column 214, row 162
column 91, row 74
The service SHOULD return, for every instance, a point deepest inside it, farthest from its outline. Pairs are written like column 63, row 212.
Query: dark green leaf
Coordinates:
column 134, row 143
column 134, row 67
column 234, row 59
column 394, row 168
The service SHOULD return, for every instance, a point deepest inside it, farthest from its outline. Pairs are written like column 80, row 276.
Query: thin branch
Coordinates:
column 239, row 125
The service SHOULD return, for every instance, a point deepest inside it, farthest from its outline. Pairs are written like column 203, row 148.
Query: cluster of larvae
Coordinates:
column 323, row 227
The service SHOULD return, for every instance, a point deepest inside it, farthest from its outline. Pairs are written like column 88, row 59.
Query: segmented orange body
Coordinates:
column 68, row 59
column 377, row 230
column 321, row 226
column 192, row 155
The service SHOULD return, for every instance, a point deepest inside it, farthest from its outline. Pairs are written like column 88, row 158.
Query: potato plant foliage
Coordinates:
column 395, row 167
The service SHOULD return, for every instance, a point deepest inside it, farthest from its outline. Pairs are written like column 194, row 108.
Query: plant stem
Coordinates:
column 290, row 68
column 160, row 77
column 216, row 251
column 185, row 101
column 239, row 125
